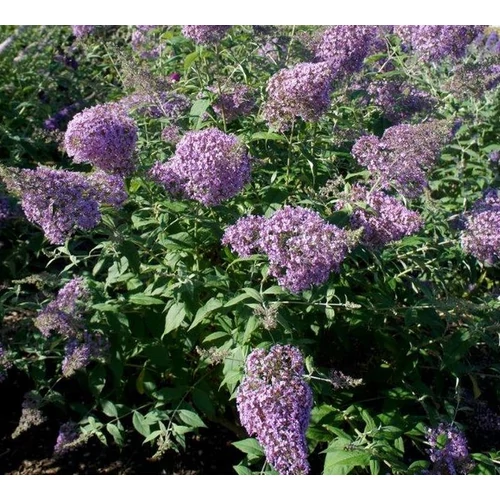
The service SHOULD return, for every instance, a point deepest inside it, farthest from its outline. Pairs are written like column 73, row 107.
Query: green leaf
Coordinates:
column 144, row 300
column 250, row 446
column 268, row 136
column 241, row 470
column 374, row 467
column 203, row 402
column 140, row 425
column 215, row 336
column 212, row 305
column 116, row 433
column 254, row 294
column 109, row 409
column 191, row 418
column 190, row 59
column 342, row 461
column 175, row 317
column 97, row 380
column 236, row 300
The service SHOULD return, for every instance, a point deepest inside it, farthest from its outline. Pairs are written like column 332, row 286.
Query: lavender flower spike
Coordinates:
column 57, row 200
column 64, row 313
column 448, row 451
column 274, row 403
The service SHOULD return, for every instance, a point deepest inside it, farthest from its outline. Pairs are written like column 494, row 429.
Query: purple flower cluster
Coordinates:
column 448, row 451
column 171, row 134
column 473, row 79
column 109, row 189
column 494, row 156
column 60, row 119
column 105, row 136
column 57, row 200
column 398, row 100
column 274, row 49
column 204, row 35
column 383, row 218
column 345, row 47
column 302, row 91
column 435, row 42
column 301, row 247
column 5, row 363
column 143, row 44
column 233, row 103
column 404, row 154
column 274, row 404
column 81, row 350
column 65, row 313
column 161, row 104
column 68, row 434
column 481, row 235
column 31, row 414
column 82, row 30
column 492, row 43
column 208, row 166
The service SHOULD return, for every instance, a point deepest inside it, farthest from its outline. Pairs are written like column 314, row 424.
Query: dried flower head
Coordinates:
column 31, row 414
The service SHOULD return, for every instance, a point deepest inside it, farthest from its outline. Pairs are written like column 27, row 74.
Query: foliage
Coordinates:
column 402, row 339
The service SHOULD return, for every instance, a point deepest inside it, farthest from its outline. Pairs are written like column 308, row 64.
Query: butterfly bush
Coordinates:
column 448, row 451
column 67, row 435
column 301, row 247
column 159, row 104
column 143, row 44
column 344, row 48
column 404, row 155
column 384, row 220
column 82, row 30
column 398, row 100
column 301, row 91
column 481, row 234
column 104, row 136
column 109, row 189
column 208, row 166
column 204, row 35
column 58, row 201
column 59, row 120
column 274, row 404
column 233, row 102
column 435, row 42
column 64, row 314
column 80, row 350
